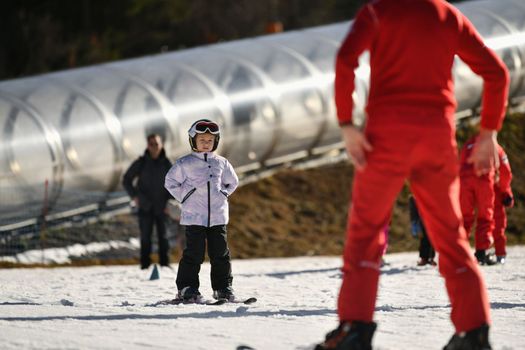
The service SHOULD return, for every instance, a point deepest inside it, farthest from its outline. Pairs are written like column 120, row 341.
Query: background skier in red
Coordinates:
column 487, row 196
column 410, row 134
column 503, row 199
column 476, row 197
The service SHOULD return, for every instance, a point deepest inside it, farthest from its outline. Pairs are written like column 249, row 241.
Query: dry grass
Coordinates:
column 291, row 213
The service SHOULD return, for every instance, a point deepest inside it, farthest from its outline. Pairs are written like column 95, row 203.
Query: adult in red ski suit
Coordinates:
column 410, row 134
column 476, row 198
column 503, row 198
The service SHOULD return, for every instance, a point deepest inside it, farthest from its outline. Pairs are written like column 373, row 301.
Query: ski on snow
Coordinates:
column 235, row 301
column 202, row 301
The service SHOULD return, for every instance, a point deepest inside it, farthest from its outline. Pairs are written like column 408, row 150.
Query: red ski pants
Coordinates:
column 500, row 224
column 426, row 156
column 477, row 194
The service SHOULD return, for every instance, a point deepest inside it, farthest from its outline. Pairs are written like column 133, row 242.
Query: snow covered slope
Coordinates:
column 104, row 307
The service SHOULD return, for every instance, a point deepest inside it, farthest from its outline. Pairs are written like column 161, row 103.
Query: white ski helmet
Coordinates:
column 202, row 126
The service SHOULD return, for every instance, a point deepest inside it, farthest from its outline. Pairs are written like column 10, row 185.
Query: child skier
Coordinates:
column 503, row 199
column 202, row 182
column 476, row 198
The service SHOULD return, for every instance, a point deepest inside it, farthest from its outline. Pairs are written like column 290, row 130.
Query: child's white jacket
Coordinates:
column 202, row 182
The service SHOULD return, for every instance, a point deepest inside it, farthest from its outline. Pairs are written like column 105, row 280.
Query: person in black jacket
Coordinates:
column 150, row 197
column 426, row 251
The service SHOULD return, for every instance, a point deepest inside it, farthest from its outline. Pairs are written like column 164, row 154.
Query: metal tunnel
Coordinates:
column 78, row 130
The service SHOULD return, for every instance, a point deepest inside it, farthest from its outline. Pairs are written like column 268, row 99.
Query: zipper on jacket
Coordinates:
column 209, row 199
column 188, row 195
column 209, row 204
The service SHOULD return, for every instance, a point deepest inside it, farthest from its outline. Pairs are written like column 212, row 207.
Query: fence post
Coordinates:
column 43, row 227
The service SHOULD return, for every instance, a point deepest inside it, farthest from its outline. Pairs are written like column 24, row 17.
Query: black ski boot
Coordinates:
column 476, row 339
column 484, row 258
column 224, row 293
column 349, row 336
column 189, row 294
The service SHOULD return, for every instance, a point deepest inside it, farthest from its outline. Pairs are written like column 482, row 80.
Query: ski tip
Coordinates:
column 244, row 347
column 250, row 300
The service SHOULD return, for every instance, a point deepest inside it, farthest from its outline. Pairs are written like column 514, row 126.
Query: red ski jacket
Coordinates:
column 465, row 168
column 413, row 68
column 504, row 177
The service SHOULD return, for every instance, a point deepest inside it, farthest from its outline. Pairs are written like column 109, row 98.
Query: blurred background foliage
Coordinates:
column 39, row 36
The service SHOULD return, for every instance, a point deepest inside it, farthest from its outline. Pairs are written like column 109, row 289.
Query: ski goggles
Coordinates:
column 204, row 126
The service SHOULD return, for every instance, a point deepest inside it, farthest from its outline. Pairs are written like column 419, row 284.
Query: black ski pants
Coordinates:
column 193, row 257
column 147, row 220
column 426, row 251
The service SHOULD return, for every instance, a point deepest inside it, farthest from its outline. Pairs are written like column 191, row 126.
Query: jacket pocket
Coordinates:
column 224, row 193
column 188, row 195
